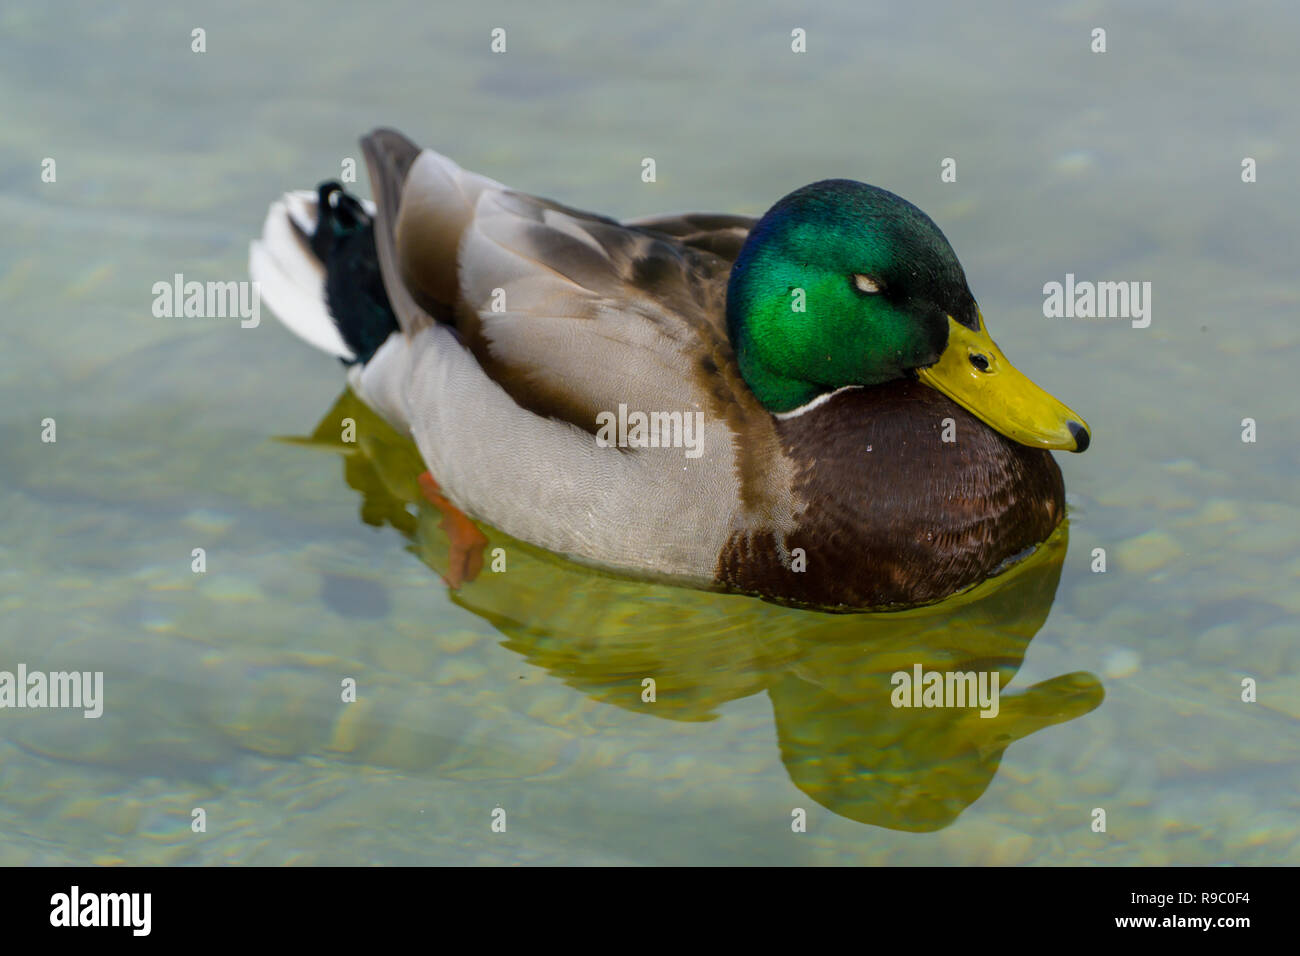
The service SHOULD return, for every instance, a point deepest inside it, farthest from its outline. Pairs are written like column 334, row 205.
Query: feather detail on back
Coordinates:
column 424, row 202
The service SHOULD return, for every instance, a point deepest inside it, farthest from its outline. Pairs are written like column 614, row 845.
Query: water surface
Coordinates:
column 523, row 691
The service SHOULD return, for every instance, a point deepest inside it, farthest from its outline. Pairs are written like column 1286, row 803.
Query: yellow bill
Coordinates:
column 974, row 373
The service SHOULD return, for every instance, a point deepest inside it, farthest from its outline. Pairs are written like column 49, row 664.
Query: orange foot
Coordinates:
column 467, row 541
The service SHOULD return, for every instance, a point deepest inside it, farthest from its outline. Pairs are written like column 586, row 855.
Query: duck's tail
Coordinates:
column 317, row 268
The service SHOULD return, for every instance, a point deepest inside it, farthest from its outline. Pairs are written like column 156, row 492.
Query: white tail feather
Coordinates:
column 290, row 277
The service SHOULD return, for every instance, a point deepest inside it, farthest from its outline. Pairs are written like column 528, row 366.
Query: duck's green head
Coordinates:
column 841, row 283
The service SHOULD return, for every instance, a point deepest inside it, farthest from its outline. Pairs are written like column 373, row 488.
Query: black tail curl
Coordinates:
column 344, row 241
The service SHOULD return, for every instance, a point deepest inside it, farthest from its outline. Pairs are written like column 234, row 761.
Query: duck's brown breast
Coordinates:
column 888, row 513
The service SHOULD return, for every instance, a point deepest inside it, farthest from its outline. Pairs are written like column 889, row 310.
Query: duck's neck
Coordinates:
column 776, row 392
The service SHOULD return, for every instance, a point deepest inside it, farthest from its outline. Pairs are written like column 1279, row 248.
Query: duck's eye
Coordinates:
column 981, row 362
column 867, row 285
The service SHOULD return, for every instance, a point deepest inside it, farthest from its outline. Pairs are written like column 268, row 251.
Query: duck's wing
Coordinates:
column 572, row 313
column 719, row 233
column 575, row 314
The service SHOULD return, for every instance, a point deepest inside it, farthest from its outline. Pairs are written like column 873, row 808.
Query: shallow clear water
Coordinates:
column 524, row 690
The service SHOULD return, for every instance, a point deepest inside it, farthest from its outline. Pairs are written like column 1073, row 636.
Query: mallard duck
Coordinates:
column 806, row 407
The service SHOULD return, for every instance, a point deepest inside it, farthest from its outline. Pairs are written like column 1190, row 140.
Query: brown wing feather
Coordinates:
column 389, row 157
column 596, row 313
column 718, row 233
